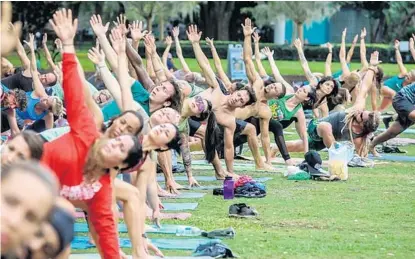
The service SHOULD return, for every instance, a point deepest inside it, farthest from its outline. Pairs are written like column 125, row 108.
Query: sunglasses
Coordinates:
column 200, row 104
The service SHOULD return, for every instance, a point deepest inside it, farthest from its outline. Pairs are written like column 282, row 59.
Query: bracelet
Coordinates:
column 372, row 69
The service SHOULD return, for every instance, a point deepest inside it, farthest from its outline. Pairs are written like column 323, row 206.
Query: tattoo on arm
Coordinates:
column 187, row 158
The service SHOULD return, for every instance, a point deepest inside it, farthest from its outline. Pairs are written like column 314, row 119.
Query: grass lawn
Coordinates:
column 286, row 67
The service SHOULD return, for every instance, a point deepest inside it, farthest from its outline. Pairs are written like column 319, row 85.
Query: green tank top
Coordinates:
column 195, row 90
column 280, row 111
column 184, row 126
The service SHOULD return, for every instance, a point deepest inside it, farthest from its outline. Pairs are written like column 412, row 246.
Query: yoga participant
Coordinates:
column 394, row 84
column 22, row 212
column 53, row 239
column 404, row 105
column 324, row 88
column 89, row 158
column 11, row 100
column 39, row 105
column 8, row 37
column 24, row 146
column 24, row 79
column 355, row 124
column 224, row 107
column 265, row 90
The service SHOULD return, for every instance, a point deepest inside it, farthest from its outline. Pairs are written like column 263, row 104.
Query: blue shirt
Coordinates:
column 409, row 92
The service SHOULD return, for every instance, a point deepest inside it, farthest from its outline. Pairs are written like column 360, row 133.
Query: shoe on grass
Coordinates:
column 241, row 210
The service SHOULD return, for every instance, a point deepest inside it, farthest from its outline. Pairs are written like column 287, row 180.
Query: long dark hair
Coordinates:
column 175, row 143
column 35, row 143
column 333, row 92
column 134, row 155
column 104, row 126
column 211, row 138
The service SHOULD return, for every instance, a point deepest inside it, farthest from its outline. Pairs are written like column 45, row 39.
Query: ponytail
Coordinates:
column 211, row 137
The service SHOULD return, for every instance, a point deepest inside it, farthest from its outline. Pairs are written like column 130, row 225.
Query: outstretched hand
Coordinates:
column 58, row 44
column 329, row 46
column 297, row 44
column 136, row 30
column 150, row 43
column 363, row 33
column 118, row 41
column 344, row 34
column 31, row 42
column 97, row 26
column 193, row 34
column 411, row 43
column 10, row 33
column 175, row 32
column 169, row 41
column 256, row 37
column 355, row 39
column 209, row 42
column 247, row 28
column 267, row 52
column 64, row 27
column 396, row 44
column 374, row 59
column 45, row 39
column 96, row 55
column 120, row 24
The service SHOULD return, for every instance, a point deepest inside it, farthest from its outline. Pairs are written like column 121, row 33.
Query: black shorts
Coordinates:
column 240, row 126
column 403, row 107
column 4, row 122
column 194, row 125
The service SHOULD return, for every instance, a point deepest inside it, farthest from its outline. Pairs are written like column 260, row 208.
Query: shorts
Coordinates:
column 240, row 126
column 315, row 142
column 194, row 125
column 403, row 107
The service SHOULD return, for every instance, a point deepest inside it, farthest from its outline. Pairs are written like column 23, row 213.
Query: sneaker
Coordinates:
column 242, row 211
column 220, row 233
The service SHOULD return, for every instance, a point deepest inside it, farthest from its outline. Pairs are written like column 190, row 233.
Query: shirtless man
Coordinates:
column 224, row 107
column 273, row 90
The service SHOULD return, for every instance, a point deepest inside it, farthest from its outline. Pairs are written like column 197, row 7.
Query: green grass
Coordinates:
column 286, row 67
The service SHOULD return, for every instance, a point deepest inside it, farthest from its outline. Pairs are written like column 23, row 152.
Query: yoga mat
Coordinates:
column 388, row 157
column 202, row 178
column 81, row 242
column 236, row 163
column 240, row 168
column 407, row 131
column 179, row 206
column 180, row 215
column 97, row 256
column 122, row 228
column 187, row 195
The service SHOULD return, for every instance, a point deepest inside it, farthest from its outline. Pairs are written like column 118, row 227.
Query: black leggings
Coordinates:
column 276, row 127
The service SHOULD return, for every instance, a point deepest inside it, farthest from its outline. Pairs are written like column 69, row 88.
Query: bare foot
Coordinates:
column 233, row 175
column 265, row 167
column 274, row 151
column 289, row 162
column 165, row 194
column 221, row 175
column 373, row 151
column 91, row 240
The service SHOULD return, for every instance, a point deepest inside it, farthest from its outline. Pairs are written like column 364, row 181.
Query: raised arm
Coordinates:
column 137, row 33
column 412, row 46
column 20, row 49
column 38, row 90
column 402, row 69
column 367, row 82
column 166, row 52
column 218, row 64
column 249, row 64
column 363, row 59
column 158, row 67
column 261, row 69
column 179, row 54
column 301, row 127
column 342, row 55
column 100, row 30
column 351, row 50
column 202, row 60
column 327, row 67
column 47, row 53
column 304, row 64
column 275, row 71
column 137, row 63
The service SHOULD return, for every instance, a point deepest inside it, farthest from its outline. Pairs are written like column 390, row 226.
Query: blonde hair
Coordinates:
column 351, row 81
column 373, row 124
column 57, row 106
column 411, row 75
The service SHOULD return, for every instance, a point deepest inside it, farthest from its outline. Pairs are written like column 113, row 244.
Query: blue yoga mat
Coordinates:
column 179, row 206
column 122, row 228
column 187, row 195
column 398, row 158
column 202, row 178
column 81, row 242
column 407, row 131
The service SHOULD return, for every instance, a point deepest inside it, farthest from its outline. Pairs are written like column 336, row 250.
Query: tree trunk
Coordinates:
column 300, row 32
column 98, row 7
column 209, row 22
column 149, row 20
column 161, row 27
column 224, row 11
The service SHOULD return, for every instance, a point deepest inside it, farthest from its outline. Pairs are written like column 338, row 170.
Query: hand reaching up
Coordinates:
column 31, row 42
column 175, row 32
column 344, row 34
column 256, row 37
column 136, row 30
column 267, row 52
column 118, row 41
column 411, row 43
column 45, row 39
column 10, row 33
column 329, row 46
column 363, row 33
column 209, row 42
column 150, row 44
column 168, row 41
column 374, row 59
column 97, row 26
column 120, row 24
column 247, row 28
column 396, row 44
column 58, row 44
column 96, row 55
column 193, row 34
column 64, row 27
column 355, row 39
column 297, row 44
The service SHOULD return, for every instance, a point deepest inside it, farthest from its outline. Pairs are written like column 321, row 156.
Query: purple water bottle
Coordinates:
column 228, row 188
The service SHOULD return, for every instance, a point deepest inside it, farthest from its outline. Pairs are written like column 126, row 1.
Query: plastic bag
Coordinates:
column 339, row 157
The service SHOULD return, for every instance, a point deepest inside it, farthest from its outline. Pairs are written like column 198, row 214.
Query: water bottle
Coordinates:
column 228, row 188
column 188, row 231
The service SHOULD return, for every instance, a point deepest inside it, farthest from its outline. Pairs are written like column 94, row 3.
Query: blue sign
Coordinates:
column 236, row 64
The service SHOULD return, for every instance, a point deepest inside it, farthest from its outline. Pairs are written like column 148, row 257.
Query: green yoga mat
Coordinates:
column 181, row 178
column 122, row 228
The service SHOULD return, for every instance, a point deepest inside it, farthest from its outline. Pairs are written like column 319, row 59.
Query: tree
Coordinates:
column 217, row 16
column 299, row 12
column 400, row 20
column 142, row 11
